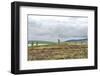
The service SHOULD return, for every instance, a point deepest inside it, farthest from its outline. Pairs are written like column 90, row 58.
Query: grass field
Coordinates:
column 55, row 51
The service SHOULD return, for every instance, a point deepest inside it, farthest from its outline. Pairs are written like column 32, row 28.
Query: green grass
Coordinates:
column 43, row 42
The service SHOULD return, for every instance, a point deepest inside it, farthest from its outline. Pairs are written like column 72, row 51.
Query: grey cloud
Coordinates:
column 52, row 28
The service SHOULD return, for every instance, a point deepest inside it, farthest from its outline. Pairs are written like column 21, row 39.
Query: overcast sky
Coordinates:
column 51, row 28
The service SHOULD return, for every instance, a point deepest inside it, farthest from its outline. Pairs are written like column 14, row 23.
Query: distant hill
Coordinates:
column 77, row 40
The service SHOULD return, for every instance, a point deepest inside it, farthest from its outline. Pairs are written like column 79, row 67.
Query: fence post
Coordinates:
column 37, row 43
column 58, row 41
column 32, row 44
